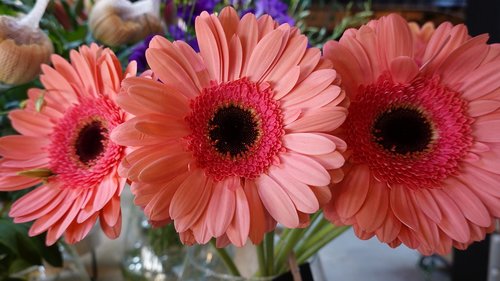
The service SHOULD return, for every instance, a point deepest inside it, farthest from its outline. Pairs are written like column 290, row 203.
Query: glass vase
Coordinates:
column 204, row 264
column 72, row 269
column 151, row 254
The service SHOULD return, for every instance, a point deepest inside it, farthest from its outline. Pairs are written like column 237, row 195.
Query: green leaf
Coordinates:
column 18, row 265
column 51, row 254
column 27, row 249
column 8, row 236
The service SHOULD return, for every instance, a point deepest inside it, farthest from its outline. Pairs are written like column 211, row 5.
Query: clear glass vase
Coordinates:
column 72, row 269
column 204, row 264
column 151, row 254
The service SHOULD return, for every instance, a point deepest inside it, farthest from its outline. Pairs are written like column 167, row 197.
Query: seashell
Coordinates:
column 117, row 22
column 23, row 46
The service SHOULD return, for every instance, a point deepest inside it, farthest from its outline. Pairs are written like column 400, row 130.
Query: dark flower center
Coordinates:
column 90, row 142
column 233, row 130
column 402, row 130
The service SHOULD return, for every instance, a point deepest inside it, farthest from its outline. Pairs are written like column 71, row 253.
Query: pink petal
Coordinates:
column 373, row 212
column 187, row 195
column 305, row 169
column 188, row 220
column 277, row 202
column 249, row 36
column 403, row 69
column 111, row 211
column 157, row 97
column 263, row 55
column 257, row 212
column 453, row 222
column 390, row 229
column 171, row 72
column 351, row 193
column 427, row 204
column 312, row 85
column 235, row 58
column 470, row 205
column 177, row 162
column 111, row 231
column 308, row 143
column 239, row 229
column 301, row 195
column 403, row 206
column 324, row 119
column 481, row 81
column 34, row 200
column 220, row 211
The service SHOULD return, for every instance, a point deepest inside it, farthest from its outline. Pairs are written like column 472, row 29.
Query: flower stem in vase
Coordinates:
column 226, row 259
column 269, row 245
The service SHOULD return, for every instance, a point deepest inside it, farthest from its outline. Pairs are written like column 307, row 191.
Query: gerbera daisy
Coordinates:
column 64, row 148
column 234, row 138
column 423, row 135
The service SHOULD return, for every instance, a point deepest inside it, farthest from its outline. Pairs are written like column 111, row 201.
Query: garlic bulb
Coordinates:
column 116, row 22
column 23, row 46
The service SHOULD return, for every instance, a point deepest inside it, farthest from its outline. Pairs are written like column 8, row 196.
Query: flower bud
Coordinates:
column 23, row 46
column 116, row 22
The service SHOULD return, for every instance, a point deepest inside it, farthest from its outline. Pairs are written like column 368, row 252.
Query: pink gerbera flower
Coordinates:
column 423, row 135
column 64, row 148
column 234, row 138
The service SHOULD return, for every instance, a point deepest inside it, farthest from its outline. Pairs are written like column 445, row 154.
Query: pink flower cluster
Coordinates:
column 393, row 130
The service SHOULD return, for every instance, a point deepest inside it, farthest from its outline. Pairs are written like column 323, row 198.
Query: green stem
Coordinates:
column 261, row 256
column 269, row 240
column 282, row 238
column 322, row 228
column 316, row 224
column 295, row 235
column 314, row 248
column 226, row 259
column 78, row 262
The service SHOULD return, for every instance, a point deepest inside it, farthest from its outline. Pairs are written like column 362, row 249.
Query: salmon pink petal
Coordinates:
column 315, row 83
column 111, row 231
column 470, row 205
column 427, row 204
column 222, row 206
column 238, row 230
column 277, row 202
column 356, row 182
column 35, row 199
column 301, row 195
column 48, row 220
column 307, row 143
column 403, row 69
column 305, row 169
column 257, row 212
column 376, row 202
column 168, row 69
column 186, row 196
column 249, row 35
column 453, row 222
column 111, row 211
column 264, row 55
column 185, row 222
column 321, row 120
column 153, row 96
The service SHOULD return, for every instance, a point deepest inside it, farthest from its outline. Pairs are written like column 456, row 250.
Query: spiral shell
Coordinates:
column 22, row 50
column 117, row 22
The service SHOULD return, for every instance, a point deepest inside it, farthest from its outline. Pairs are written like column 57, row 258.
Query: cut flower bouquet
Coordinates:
column 391, row 130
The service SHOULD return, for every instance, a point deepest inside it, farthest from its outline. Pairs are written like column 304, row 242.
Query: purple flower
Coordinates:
column 188, row 13
column 276, row 9
column 178, row 33
column 139, row 54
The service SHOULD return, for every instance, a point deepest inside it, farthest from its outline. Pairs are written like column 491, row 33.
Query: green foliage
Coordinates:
column 352, row 17
column 18, row 251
